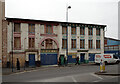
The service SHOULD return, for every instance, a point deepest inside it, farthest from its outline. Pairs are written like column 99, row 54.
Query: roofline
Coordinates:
column 7, row 18
column 111, row 38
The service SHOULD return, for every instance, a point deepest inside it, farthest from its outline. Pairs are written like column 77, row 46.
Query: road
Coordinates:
column 78, row 73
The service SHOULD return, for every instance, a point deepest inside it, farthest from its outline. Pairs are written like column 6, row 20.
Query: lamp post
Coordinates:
column 69, row 7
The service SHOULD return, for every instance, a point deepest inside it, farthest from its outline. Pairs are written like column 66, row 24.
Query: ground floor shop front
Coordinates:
column 36, row 58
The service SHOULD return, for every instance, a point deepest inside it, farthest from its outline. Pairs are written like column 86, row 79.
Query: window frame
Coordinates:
column 64, row 43
column 72, row 28
column 90, row 31
column 98, row 44
column 90, row 44
column 30, row 28
column 47, row 30
column 83, row 42
column 17, row 48
column 98, row 31
column 19, row 27
column 72, row 44
column 30, row 43
column 83, row 30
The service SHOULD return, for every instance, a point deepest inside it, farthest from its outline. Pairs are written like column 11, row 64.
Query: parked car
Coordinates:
column 107, row 58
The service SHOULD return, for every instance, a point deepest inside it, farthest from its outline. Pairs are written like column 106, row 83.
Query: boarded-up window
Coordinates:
column 17, row 44
column 64, row 30
column 90, row 31
column 48, row 29
column 48, row 43
column 32, row 28
column 98, row 44
column 31, row 42
column 73, row 44
column 73, row 30
column 82, row 43
column 90, row 44
column 82, row 31
column 16, row 27
column 64, row 43
column 98, row 31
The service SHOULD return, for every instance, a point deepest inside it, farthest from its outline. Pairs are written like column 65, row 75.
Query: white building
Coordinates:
column 38, row 42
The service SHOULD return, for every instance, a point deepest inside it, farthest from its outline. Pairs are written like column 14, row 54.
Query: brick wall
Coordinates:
column 4, row 43
column 20, row 56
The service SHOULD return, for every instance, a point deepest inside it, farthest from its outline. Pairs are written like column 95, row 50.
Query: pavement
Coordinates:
column 8, row 71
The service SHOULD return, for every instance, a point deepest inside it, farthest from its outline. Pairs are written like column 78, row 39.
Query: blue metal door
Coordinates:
column 91, row 57
column 32, row 60
column 48, row 59
column 71, row 60
column 82, row 57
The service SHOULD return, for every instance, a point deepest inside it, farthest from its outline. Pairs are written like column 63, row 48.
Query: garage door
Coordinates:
column 91, row 57
column 49, row 59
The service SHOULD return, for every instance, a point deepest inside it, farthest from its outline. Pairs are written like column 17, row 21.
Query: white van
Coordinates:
column 107, row 58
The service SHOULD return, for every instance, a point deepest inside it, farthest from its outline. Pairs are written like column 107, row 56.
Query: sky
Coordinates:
column 103, row 12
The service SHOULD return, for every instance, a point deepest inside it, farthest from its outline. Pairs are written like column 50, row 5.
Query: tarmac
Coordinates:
column 8, row 71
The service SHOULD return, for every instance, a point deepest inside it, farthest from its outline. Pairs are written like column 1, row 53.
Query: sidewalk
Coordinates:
column 8, row 71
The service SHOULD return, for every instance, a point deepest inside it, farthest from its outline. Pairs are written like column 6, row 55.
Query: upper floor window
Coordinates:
column 82, row 31
column 16, row 27
column 48, row 43
column 31, row 42
column 97, row 44
column 98, row 31
column 90, row 44
column 73, row 44
column 90, row 31
column 32, row 28
column 49, row 29
column 73, row 30
column 64, row 43
column 17, row 43
column 64, row 30
column 82, row 43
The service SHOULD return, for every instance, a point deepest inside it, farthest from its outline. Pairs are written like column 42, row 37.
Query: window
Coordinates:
column 17, row 44
column 73, row 44
column 82, row 43
column 32, row 28
column 82, row 31
column 73, row 30
column 48, row 43
column 31, row 42
column 64, row 30
column 97, row 44
column 48, row 29
column 90, row 44
column 64, row 43
column 90, row 31
column 16, row 27
column 98, row 31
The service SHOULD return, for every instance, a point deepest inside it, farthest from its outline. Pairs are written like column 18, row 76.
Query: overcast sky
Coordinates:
column 83, row 11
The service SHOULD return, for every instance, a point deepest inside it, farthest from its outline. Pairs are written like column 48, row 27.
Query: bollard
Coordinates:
column 102, row 66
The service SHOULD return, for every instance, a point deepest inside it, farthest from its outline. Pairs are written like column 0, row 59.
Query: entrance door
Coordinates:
column 82, row 57
column 32, row 60
column 91, row 57
column 62, row 59
column 48, row 59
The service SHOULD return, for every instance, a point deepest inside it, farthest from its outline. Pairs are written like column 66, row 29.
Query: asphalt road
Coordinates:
column 78, row 73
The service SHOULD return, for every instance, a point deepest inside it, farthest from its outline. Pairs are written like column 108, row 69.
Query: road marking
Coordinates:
column 96, row 76
column 73, row 79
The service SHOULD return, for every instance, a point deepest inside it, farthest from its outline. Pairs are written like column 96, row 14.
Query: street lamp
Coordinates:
column 69, row 7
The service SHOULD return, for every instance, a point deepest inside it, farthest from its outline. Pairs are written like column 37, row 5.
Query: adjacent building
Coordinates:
column 112, row 46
